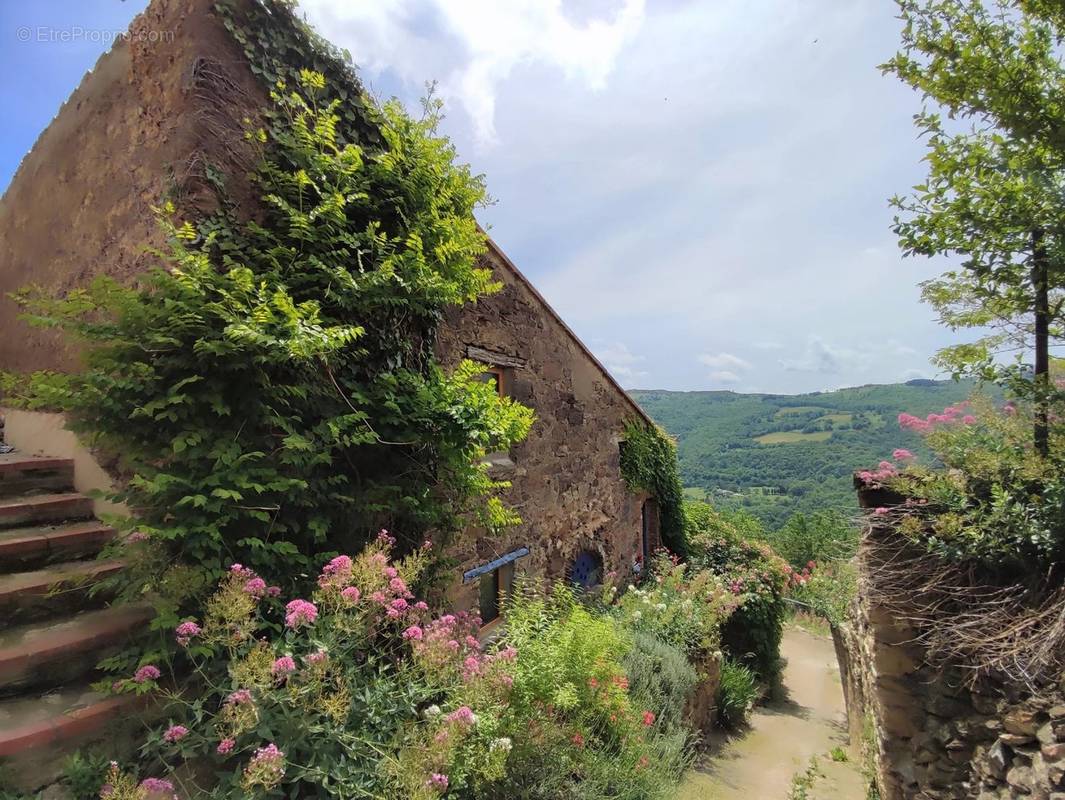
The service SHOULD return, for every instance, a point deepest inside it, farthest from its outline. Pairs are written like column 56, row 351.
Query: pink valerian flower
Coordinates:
column 379, row 597
column 317, row 657
column 256, row 587
column 225, row 747
column 242, row 571
column 149, row 672
column 299, row 613
column 350, row 594
column 399, row 587
column 427, row 544
column 184, row 632
column 463, row 715
column 337, row 572
column 437, row 781
column 901, row 454
column 266, row 768
column 413, row 632
column 175, row 733
column 157, row 786
column 283, row 667
column 239, row 697
column 968, row 419
column 1009, row 409
column 507, row 654
column 135, row 537
column 578, row 739
column 399, row 604
column 384, row 537
column 273, row 591
column 471, row 667
column 881, row 511
column 421, row 605
column 648, row 719
column 391, row 572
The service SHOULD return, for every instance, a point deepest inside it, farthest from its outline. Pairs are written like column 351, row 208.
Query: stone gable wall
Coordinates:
column 566, row 477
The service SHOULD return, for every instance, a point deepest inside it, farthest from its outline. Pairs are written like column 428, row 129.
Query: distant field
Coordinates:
column 799, row 410
column 836, row 419
column 695, row 493
column 793, row 437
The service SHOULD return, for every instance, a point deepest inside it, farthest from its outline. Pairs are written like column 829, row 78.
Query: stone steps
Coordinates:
column 36, row 546
column 39, row 731
column 57, row 625
column 61, row 588
column 27, row 509
column 20, row 474
column 48, row 654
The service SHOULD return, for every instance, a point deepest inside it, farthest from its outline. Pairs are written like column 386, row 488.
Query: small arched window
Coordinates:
column 586, row 571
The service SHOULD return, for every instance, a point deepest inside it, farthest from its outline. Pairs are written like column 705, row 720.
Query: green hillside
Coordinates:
column 778, row 454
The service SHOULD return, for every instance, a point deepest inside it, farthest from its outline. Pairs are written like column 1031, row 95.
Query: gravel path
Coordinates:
column 760, row 762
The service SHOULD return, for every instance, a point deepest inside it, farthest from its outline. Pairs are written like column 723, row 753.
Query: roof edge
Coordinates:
column 498, row 252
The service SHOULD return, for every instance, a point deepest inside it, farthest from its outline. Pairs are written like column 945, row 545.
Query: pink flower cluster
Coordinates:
column 437, row 781
column 185, row 631
column 149, row 672
column 337, row 573
column 253, row 585
column 283, row 667
column 152, row 786
column 175, row 733
column 949, row 415
column 884, row 471
column 299, row 613
column 267, row 766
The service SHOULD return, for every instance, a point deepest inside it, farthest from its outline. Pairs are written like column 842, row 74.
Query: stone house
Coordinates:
column 141, row 125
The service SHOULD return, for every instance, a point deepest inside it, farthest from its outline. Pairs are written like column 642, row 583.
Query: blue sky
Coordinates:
column 699, row 188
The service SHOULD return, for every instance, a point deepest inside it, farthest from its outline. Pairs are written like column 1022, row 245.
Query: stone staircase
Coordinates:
column 55, row 628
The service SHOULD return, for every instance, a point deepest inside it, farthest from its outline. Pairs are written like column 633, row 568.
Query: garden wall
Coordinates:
column 932, row 734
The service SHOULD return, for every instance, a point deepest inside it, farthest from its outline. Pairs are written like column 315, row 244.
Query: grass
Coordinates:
column 793, row 437
column 811, row 623
column 695, row 493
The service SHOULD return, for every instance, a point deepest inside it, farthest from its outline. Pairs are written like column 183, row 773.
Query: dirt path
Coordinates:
column 759, row 763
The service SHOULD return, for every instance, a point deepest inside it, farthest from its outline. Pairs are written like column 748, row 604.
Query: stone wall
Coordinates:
column 932, row 735
column 566, row 477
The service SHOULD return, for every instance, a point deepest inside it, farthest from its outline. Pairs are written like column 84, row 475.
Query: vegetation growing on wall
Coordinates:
column 271, row 388
column 649, row 462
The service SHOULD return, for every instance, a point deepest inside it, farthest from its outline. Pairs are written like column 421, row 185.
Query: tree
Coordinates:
column 996, row 178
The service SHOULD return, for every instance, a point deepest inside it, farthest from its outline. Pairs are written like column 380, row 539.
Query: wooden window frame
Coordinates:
column 501, row 378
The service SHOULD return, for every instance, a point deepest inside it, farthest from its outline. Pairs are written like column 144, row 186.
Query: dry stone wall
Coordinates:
column 931, row 734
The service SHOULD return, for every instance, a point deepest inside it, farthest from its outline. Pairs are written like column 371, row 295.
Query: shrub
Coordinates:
column 681, row 606
column 826, row 589
column 997, row 501
column 270, row 388
column 737, row 693
column 358, row 691
column 660, row 678
column 821, row 537
column 758, row 577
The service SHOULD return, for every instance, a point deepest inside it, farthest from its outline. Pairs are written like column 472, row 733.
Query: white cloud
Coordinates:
column 491, row 38
column 621, row 362
column 724, row 376
column 725, row 361
column 820, row 357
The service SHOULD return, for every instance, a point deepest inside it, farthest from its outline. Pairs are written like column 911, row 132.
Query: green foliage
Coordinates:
column 717, row 450
column 271, row 387
column 660, row 678
column 758, row 577
column 736, row 694
column 819, row 538
column 994, row 185
column 359, row 692
column 681, row 606
column 997, row 502
column 828, row 590
column 649, row 462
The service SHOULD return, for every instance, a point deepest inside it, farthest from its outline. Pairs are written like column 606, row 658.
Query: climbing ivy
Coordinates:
column 270, row 388
column 649, row 462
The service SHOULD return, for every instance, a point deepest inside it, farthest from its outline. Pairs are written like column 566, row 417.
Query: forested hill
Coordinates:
column 778, row 454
